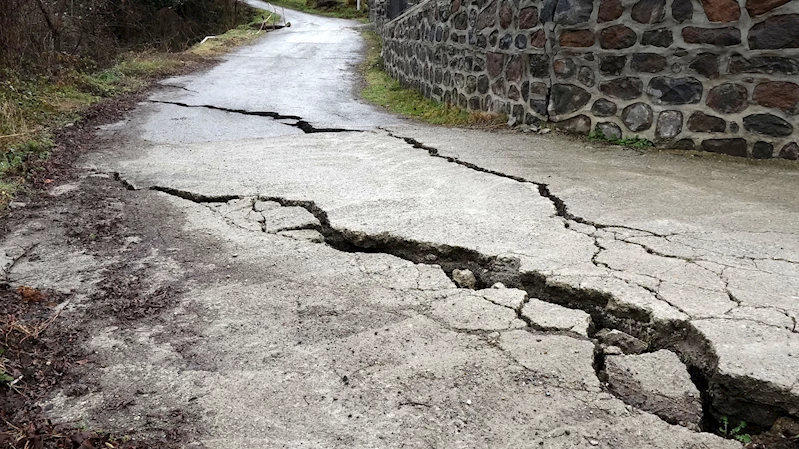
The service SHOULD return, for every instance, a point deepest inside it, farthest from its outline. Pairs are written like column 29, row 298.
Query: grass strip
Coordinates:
column 382, row 90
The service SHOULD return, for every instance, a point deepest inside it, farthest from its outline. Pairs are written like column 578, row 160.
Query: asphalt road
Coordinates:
column 310, row 241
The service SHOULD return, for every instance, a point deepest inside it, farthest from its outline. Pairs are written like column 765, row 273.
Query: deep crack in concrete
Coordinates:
column 679, row 336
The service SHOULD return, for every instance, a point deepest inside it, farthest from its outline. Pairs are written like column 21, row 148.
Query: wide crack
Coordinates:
column 303, row 125
column 679, row 336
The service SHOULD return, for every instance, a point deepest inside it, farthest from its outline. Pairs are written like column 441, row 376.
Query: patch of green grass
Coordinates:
column 384, row 91
column 633, row 142
column 735, row 433
column 342, row 11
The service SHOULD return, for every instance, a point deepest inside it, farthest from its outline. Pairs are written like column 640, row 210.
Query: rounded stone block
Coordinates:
column 762, row 150
column 649, row 11
column 669, row 124
column 658, row 38
column 626, row 88
column 609, row 10
column 722, row 10
column 567, row 98
column 604, row 108
column 790, row 152
column 637, row 117
column 505, row 15
column 764, row 64
column 732, row 147
column 783, row 95
column 566, row 12
column 577, row 38
column 648, row 62
column 609, row 130
column 617, row 37
column 703, row 123
column 706, row 64
column 719, row 37
column 728, row 98
column 612, row 65
column 528, row 18
column 514, row 69
column 768, row 124
column 682, row 10
column 775, row 32
column 564, row 68
column 495, row 62
column 667, row 90
column 586, row 76
column 538, row 39
column 758, row 7
column 580, row 124
column 539, row 66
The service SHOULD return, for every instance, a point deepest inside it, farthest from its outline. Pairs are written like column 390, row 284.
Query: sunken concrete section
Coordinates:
column 716, row 76
column 658, row 383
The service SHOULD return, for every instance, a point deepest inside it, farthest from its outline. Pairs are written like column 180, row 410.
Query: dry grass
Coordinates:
column 32, row 107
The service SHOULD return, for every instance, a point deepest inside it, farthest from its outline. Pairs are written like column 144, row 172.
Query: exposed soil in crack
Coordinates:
column 299, row 123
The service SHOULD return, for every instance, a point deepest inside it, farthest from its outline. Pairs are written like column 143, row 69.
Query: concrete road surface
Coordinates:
column 298, row 254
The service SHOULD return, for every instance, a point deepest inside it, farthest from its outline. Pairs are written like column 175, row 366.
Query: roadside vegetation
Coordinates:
column 43, row 91
column 330, row 8
column 54, row 88
column 632, row 142
column 385, row 91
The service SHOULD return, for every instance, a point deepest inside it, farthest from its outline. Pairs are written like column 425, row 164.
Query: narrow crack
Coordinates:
column 561, row 209
column 174, row 86
column 303, row 125
column 679, row 336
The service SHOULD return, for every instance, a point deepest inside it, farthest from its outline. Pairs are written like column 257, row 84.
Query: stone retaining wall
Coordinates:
column 714, row 75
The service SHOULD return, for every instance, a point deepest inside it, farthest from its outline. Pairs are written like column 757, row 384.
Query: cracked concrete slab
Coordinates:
column 547, row 316
column 656, row 382
column 301, row 334
column 468, row 310
column 365, row 335
column 415, row 198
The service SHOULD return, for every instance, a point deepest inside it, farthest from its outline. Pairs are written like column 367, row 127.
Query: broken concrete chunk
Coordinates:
column 507, row 297
column 626, row 342
column 565, row 361
column 261, row 205
column 308, row 235
column 548, row 316
column 468, row 310
column 288, row 218
column 658, row 383
column 240, row 203
column 464, row 278
column 612, row 350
